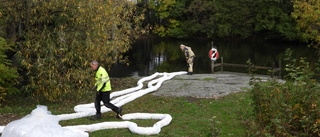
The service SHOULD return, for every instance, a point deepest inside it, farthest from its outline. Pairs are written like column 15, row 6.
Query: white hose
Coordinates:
column 123, row 97
column 165, row 119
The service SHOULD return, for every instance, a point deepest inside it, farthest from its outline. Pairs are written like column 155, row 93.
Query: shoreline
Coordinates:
column 214, row 85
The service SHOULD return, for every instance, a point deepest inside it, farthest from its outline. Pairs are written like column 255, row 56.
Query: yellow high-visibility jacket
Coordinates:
column 102, row 78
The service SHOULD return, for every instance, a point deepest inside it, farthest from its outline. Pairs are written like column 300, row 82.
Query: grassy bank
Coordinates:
column 191, row 116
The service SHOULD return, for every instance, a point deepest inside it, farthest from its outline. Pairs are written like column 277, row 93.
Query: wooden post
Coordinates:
column 212, row 66
column 249, row 69
column 280, row 69
column 222, row 64
column 212, row 62
column 273, row 66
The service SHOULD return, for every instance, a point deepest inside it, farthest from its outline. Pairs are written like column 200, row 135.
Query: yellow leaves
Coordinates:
column 65, row 34
column 314, row 105
column 296, row 106
column 299, row 109
column 307, row 15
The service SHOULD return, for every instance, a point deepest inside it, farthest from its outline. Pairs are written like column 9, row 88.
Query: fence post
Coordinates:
column 273, row 66
column 222, row 64
column 250, row 65
column 212, row 67
column 280, row 69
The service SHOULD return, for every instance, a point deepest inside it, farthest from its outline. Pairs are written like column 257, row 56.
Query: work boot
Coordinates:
column 190, row 73
column 96, row 117
column 119, row 115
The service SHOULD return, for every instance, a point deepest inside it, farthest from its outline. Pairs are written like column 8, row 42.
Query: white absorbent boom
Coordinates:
column 120, row 98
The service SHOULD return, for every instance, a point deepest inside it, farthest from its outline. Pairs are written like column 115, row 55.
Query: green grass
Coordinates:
column 191, row 116
column 209, row 79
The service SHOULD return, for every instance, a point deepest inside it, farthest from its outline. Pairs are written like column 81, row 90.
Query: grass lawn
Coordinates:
column 191, row 116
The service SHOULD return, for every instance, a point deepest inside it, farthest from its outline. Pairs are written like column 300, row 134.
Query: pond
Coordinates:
column 148, row 56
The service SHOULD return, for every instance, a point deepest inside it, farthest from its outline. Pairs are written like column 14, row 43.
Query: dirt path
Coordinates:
column 206, row 85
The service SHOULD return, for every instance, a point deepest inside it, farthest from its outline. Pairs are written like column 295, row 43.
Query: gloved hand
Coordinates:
column 94, row 88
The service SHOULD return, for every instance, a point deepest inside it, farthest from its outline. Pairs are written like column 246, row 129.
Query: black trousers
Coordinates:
column 105, row 98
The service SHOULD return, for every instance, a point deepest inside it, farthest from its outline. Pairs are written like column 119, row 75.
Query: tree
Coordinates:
column 273, row 19
column 58, row 38
column 8, row 74
column 198, row 15
column 224, row 19
column 162, row 10
column 233, row 18
column 307, row 15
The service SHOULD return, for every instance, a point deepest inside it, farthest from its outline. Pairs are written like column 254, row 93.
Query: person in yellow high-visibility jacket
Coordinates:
column 102, row 88
column 188, row 53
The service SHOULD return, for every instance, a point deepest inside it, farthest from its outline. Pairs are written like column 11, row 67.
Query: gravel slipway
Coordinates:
column 206, row 85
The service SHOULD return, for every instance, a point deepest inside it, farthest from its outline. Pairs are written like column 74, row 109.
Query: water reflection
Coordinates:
column 148, row 56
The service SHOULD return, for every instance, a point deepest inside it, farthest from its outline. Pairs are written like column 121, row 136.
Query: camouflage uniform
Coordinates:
column 189, row 57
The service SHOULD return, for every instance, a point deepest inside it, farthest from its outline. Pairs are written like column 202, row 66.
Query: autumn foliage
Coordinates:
column 307, row 15
column 288, row 109
column 58, row 38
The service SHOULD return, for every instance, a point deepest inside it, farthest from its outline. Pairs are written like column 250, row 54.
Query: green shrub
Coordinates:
column 8, row 74
column 289, row 109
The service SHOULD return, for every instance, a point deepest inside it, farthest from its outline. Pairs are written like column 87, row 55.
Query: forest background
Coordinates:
column 46, row 45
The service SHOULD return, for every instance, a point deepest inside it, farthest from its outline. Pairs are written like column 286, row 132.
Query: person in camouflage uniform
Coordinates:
column 189, row 57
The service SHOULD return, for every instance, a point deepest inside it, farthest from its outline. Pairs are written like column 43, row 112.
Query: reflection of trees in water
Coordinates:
column 161, row 55
column 155, row 55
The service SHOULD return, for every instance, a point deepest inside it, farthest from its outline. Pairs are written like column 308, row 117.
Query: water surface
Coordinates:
column 148, row 56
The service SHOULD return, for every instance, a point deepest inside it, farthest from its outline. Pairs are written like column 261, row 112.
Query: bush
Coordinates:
column 8, row 74
column 57, row 39
column 289, row 109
